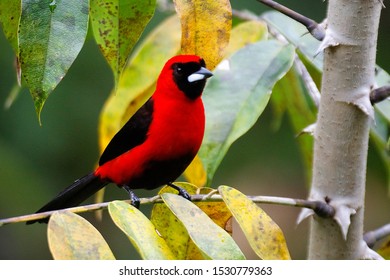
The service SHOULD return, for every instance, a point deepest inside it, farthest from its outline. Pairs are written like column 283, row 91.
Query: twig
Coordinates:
column 372, row 237
column 320, row 208
column 308, row 81
column 379, row 94
column 312, row 26
column 244, row 15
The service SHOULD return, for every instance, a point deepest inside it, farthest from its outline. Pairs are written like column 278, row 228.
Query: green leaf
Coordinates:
column 10, row 11
column 213, row 241
column 71, row 237
column 117, row 26
column 237, row 94
column 9, row 19
column 140, row 231
column 379, row 135
column 49, row 41
column 264, row 235
column 290, row 94
column 173, row 231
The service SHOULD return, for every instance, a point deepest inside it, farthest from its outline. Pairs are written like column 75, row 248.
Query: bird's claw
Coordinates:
column 135, row 201
column 182, row 192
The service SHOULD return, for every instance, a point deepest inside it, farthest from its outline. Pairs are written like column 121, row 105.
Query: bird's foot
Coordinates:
column 135, row 201
column 182, row 192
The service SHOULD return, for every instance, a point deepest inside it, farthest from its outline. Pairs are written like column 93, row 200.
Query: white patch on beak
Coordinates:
column 201, row 74
column 195, row 77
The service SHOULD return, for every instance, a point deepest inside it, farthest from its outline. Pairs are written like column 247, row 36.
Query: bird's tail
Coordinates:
column 73, row 195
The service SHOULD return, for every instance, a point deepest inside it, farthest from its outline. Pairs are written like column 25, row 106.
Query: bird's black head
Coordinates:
column 190, row 74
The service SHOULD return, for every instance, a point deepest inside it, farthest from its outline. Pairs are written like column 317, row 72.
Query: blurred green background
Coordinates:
column 36, row 162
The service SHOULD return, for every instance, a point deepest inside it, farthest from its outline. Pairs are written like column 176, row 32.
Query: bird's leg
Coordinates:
column 182, row 192
column 135, row 201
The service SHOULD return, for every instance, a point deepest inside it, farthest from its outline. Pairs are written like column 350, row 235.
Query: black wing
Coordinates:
column 132, row 134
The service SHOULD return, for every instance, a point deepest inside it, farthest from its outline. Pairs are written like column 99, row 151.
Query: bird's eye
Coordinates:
column 178, row 69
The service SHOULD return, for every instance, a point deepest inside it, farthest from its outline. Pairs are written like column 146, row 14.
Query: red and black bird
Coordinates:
column 156, row 144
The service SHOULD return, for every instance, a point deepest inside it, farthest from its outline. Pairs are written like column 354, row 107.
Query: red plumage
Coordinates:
column 157, row 143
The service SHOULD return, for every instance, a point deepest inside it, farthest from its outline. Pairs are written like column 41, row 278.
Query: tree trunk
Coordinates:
column 342, row 130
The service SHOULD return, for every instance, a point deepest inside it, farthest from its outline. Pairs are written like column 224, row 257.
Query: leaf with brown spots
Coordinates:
column 117, row 26
column 263, row 234
column 49, row 39
column 9, row 20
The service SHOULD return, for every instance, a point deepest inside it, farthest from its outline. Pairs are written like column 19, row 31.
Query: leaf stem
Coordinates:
column 244, row 15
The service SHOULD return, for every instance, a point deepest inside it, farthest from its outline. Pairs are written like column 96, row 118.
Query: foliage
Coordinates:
column 173, row 231
column 249, row 63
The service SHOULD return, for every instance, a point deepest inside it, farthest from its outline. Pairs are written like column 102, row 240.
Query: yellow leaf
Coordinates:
column 71, row 237
column 195, row 173
column 173, row 230
column 140, row 231
column 170, row 229
column 217, row 211
column 263, row 234
column 213, row 241
column 246, row 33
column 384, row 249
column 206, row 26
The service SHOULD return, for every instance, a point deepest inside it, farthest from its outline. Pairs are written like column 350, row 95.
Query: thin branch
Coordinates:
column 372, row 237
column 319, row 207
column 312, row 26
column 379, row 94
column 308, row 81
column 244, row 15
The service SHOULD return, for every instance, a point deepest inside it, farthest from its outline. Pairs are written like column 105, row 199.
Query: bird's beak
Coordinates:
column 201, row 74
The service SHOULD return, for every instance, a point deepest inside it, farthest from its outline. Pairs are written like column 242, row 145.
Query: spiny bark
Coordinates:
column 341, row 135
